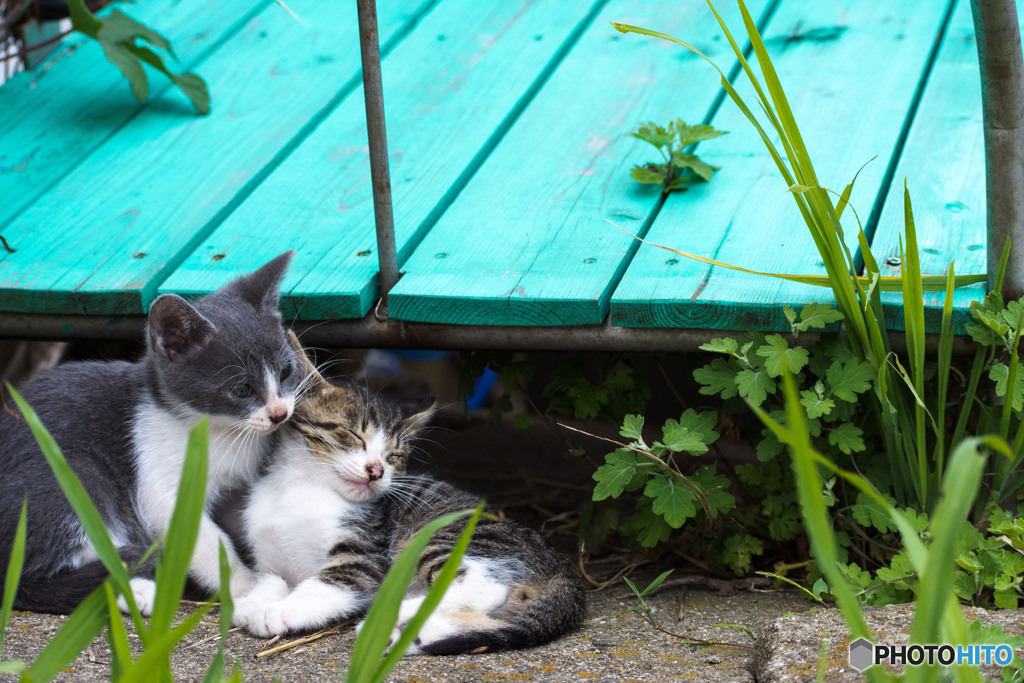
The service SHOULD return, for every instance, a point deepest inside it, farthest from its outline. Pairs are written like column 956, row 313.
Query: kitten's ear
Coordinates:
column 416, row 412
column 261, row 288
column 176, row 328
column 307, row 365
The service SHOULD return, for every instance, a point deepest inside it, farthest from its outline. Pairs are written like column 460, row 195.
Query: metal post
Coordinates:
column 377, row 135
column 1002, row 97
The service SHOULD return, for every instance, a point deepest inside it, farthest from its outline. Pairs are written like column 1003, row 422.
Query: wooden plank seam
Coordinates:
column 871, row 225
column 154, row 95
column 497, row 135
column 716, row 104
column 150, row 290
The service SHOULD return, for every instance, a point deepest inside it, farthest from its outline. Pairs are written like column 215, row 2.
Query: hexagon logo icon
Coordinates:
column 861, row 654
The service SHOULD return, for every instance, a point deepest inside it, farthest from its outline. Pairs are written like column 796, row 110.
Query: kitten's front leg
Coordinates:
column 205, row 565
column 313, row 604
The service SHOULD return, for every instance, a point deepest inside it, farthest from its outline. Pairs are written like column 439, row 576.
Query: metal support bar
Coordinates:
column 369, row 332
column 1002, row 97
column 369, row 45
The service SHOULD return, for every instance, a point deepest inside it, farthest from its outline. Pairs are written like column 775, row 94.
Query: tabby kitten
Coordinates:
column 123, row 428
column 336, row 509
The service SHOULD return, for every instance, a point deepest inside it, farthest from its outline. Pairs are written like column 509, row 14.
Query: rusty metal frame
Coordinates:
column 376, row 133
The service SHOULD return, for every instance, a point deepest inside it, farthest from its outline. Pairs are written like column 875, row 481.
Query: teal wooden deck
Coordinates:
column 507, row 130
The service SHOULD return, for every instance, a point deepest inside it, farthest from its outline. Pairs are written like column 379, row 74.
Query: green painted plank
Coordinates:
column 53, row 117
column 527, row 243
column 142, row 201
column 449, row 89
column 850, row 69
column 944, row 166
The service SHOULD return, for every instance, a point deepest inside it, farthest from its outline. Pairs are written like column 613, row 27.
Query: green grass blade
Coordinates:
column 960, row 487
column 117, row 637
column 76, row 494
column 432, row 599
column 78, row 631
column 977, row 370
column 1004, row 259
column 14, row 566
column 815, row 513
column 380, row 620
column 913, row 317
column 180, row 542
column 945, row 360
column 227, row 610
column 155, row 662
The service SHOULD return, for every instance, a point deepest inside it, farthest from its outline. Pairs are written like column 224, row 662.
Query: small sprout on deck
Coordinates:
column 679, row 166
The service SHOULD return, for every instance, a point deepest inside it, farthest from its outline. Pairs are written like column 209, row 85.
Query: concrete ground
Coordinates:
column 758, row 633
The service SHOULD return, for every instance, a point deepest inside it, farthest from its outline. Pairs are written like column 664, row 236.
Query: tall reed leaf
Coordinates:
column 172, row 569
column 227, row 610
column 366, row 663
column 14, row 565
column 433, row 598
column 824, row 546
column 937, row 611
column 79, row 629
column 84, row 509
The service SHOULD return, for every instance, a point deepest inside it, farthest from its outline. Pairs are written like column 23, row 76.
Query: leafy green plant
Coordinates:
column 913, row 434
column 670, row 498
column 100, row 608
column 937, row 616
column 371, row 660
column 940, row 477
column 117, row 34
column 675, row 143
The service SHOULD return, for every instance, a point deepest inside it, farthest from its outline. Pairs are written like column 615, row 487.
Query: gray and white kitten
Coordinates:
column 123, row 428
column 336, row 508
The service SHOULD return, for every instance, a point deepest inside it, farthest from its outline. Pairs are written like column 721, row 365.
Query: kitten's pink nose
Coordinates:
column 375, row 470
column 277, row 411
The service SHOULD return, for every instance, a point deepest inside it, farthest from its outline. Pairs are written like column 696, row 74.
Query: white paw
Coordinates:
column 266, row 590
column 144, row 592
column 273, row 620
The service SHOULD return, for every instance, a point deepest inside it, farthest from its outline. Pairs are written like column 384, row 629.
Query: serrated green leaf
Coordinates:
column 587, row 398
column 645, row 526
column 849, row 379
column 755, row 385
column 779, row 357
column 999, row 373
column 715, row 490
column 726, row 345
column 695, row 164
column 739, row 550
column 690, row 134
column 650, row 174
column 750, row 474
column 613, row 476
column 847, row 437
column 769, row 447
column 815, row 405
column 633, row 428
column 818, row 316
column 718, row 377
column 869, row 513
column 521, row 421
column 654, row 134
column 692, row 433
column 1011, row 314
column 671, row 499
column 118, row 35
column 789, row 313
